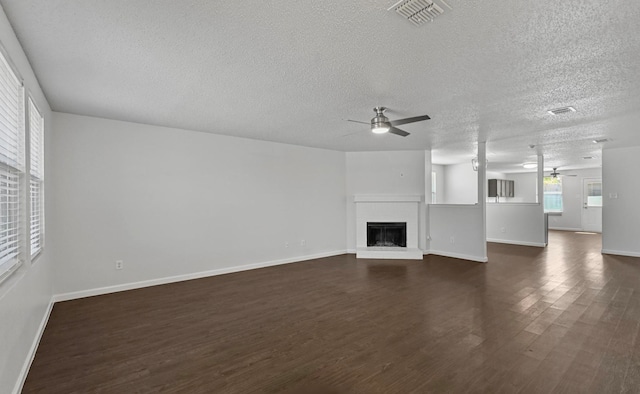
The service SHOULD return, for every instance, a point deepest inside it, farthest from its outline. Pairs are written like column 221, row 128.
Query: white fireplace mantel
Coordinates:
column 387, row 208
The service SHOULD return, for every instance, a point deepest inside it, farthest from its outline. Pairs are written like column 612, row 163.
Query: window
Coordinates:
column 552, row 194
column 36, row 182
column 11, row 166
column 594, row 194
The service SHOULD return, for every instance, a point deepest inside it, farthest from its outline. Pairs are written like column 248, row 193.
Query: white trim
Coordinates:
column 565, row 228
column 521, row 243
column 352, row 251
column 386, row 198
column 179, row 278
column 620, row 253
column 9, row 271
column 458, row 256
column 17, row 389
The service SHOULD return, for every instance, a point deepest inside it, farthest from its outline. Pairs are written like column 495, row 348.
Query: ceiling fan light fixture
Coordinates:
column 379, row 128
column 380, row 124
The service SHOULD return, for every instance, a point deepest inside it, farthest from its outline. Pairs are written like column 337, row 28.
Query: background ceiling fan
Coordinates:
column 380, row 124
column 555, row 173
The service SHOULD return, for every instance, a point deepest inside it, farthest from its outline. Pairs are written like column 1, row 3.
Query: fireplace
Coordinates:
column 391, row 234
column 387, row 226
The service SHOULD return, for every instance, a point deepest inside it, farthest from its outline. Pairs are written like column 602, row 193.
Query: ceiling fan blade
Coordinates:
column 397, row 131
column 409, row 120
column 357, row 121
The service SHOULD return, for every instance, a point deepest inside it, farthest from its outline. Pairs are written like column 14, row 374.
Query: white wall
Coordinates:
column 621, row 215
column 457, row 231
column 496, row 175
column 26, row 295
column 439, row 170
column 516, row 223
column 172, row 202
column 571, row 217
column 524, row 187
column 460, row 184
column 384, row 173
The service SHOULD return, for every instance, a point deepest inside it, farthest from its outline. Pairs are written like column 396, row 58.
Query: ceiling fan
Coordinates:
column 380, row 124
column 555, row 173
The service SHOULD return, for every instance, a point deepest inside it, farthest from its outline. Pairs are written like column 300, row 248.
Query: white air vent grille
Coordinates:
column 418, row 11
column 562, row 110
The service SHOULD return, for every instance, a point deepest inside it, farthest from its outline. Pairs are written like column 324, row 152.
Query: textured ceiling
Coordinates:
column 293, row 71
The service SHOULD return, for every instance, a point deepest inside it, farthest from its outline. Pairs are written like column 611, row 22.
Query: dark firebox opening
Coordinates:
column 387, row 234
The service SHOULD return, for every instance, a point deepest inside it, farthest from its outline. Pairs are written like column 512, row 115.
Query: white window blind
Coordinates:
column 36, row 184
column 11, row 165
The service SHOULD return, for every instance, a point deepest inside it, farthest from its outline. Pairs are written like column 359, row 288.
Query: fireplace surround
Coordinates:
column 388, row 209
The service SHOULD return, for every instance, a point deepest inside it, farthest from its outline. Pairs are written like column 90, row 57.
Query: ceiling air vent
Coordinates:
column 563, row 110
column 418, row 12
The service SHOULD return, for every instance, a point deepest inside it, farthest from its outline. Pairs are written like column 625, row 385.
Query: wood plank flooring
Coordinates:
column 561, row 319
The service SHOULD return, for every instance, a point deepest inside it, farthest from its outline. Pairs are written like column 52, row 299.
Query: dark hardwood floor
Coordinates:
column 560, row 319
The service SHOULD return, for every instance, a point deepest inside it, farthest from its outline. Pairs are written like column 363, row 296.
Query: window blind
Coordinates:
column 36, row 184
column 11, row 117
column 11, row 166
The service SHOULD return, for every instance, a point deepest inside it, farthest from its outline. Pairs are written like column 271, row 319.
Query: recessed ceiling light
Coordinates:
column 599, row 141
column 563, row 110
column 529, row 166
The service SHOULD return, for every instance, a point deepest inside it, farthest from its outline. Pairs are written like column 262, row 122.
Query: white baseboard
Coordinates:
column 179, row 278
column 521, row 243
column 32, row 351
column 352, row 251
column 565, row 228
column 458, row 256
column 620, row 252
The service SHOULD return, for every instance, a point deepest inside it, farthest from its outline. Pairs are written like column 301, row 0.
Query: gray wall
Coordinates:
column 172, row 202
column 25, row 297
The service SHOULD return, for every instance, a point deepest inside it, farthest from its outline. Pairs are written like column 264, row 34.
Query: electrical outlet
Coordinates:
column 452, row 240
column 503, row 230
column 303, row 242
column 119, row 264
column 286, row 244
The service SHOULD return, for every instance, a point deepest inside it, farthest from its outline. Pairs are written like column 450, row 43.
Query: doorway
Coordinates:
column 592, row 204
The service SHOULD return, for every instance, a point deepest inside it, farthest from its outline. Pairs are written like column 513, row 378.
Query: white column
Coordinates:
column 482, row 190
